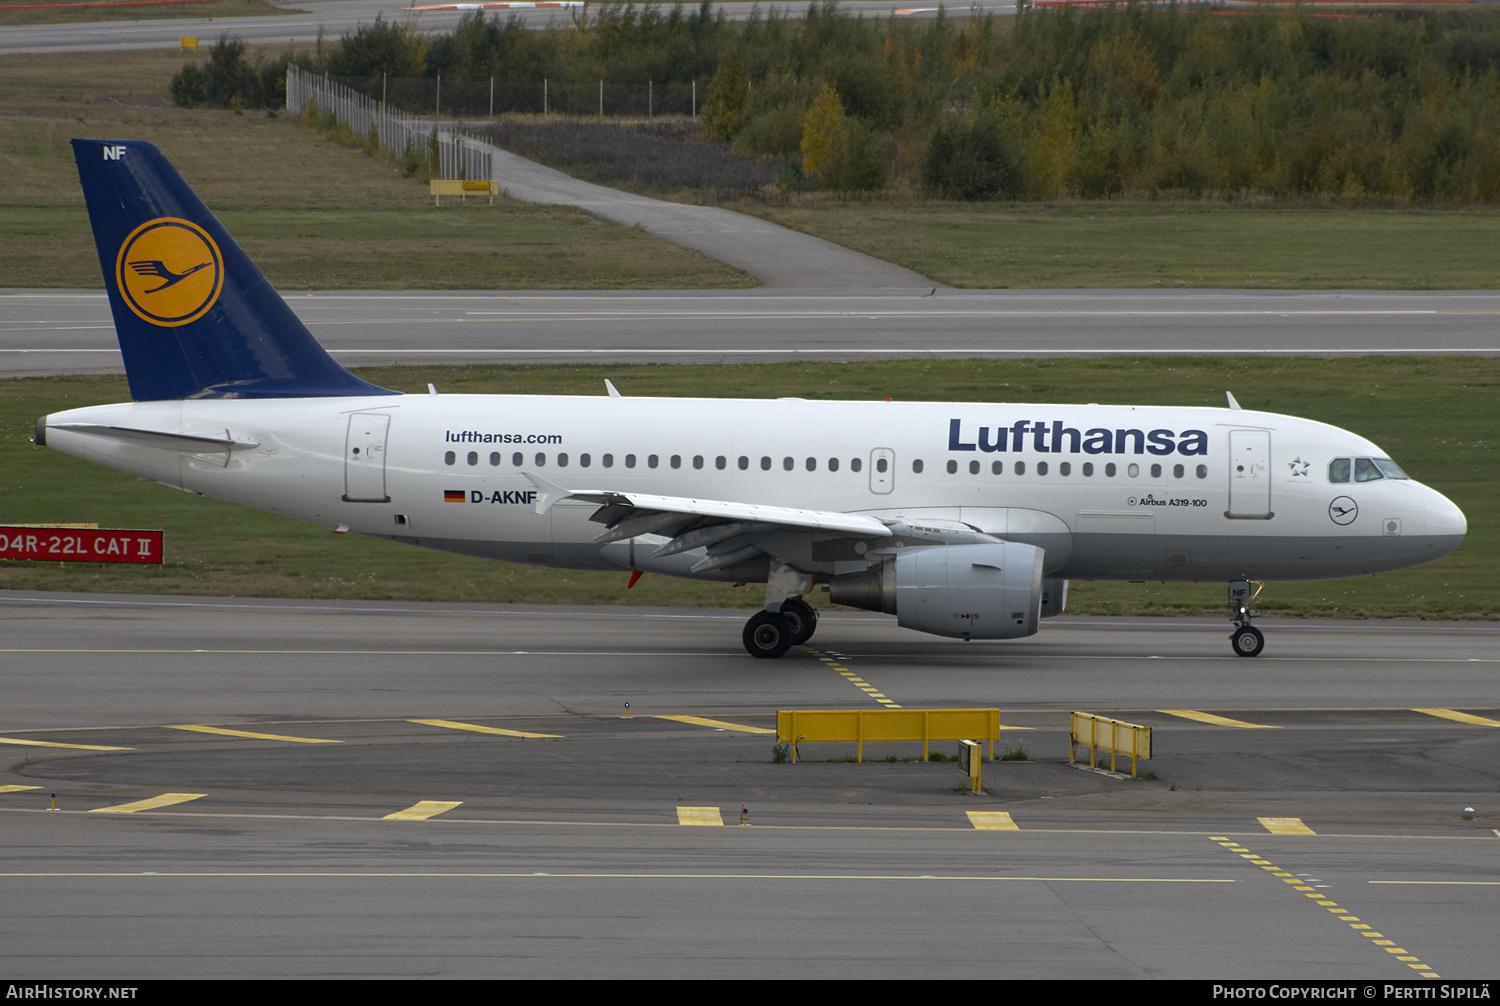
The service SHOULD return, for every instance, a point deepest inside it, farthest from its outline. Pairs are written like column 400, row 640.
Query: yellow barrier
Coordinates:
column 189, row 43
column 861, row 725
column 461, row 188
column 1100, row 733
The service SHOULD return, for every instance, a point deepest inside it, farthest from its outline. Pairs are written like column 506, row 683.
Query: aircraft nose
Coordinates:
column 1446, row 525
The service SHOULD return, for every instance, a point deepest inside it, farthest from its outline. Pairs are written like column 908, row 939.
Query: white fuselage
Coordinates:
column 1109, row 492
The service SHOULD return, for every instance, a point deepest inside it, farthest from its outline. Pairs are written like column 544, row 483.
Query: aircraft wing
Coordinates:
column 726, row 529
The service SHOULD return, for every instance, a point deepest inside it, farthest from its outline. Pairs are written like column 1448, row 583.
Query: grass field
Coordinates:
column 1437, row 417
column 309, row 211
column 13, row 12
column 1298, row 246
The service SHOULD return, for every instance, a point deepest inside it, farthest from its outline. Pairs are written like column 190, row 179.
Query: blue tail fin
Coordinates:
column 195, row 319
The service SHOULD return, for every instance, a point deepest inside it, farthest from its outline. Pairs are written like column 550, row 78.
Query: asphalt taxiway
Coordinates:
column 259, row 787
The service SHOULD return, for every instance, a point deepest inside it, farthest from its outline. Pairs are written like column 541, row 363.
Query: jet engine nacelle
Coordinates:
column 989, row 591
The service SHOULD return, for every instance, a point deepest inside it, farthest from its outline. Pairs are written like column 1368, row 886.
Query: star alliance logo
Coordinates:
column 1298, row 467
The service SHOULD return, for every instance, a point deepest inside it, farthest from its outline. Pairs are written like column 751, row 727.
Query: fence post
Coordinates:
column 492, row 97
column 544, row 95
column 437, row 104
column 601, row 99
column 650, row 92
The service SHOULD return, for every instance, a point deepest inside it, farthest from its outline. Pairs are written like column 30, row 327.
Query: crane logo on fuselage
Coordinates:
column 169, row 272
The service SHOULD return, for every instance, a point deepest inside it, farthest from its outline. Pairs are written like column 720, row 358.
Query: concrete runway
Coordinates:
column 61, row 331
column 564, row 855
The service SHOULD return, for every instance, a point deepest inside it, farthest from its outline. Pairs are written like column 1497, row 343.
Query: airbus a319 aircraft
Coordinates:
column 964, row 521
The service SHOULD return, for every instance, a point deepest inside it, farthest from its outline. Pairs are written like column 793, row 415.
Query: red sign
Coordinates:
column 71, row 544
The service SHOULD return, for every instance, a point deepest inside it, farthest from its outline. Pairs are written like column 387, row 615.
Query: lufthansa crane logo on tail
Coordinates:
column 169, row 271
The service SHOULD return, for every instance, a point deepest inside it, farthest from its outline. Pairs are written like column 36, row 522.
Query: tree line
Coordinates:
column 1049, row 104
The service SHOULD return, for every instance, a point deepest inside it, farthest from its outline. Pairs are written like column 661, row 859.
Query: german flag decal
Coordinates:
column 454, row 495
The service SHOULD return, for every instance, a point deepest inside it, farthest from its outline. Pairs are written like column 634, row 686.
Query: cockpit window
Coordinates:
column 1364, row 469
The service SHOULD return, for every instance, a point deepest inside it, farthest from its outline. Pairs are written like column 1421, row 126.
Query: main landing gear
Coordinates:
column 1246, row 639
column 786, row 620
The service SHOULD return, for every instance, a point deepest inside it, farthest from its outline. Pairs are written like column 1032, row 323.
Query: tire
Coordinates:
column 803, row 617
column 1247, row 641
column 767, row 635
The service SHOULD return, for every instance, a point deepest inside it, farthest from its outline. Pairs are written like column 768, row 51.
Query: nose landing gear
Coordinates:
column 1246, row 639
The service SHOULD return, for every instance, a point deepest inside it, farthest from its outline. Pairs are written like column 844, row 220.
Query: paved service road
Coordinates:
column 59, row 331
column 774, row 255
column 276, row 788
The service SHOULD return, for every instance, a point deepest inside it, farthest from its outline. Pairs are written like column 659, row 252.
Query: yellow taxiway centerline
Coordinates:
column 423, row 809
column 476, row 728
column 699, row 721
column 1218, row 721
column 165, row 800
column 248, row 735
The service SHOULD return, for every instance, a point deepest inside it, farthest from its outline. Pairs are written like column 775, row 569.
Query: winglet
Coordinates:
column 614, row 392
column 1232, row 403
column 549, row 493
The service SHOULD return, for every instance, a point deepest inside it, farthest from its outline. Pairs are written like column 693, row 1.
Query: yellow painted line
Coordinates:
column 1291, row 825
column 165, row 800
column 1454, row 714
column 56, row 744
column 423, row 809
column 991, row 820
column 1285, row 826
column 699, row 721
column 476, row 728
column 221, row 731
column 16, row 789
column 1218, row 721
column 700, row 816
column 926, row 878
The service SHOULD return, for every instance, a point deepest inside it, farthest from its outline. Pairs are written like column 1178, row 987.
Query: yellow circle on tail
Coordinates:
column 169, row 271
